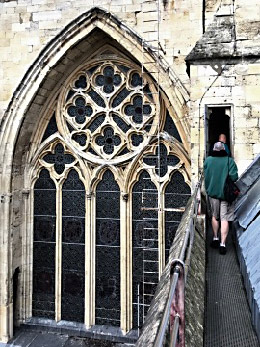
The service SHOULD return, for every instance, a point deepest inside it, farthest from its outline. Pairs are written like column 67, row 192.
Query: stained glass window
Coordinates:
column 73, row 249
column 59, row 158
column 161, row 160
column 107, row 113
column 170, row 127
column 108, row 251
column 43, row 300
column 144, row 245
column 51, row 128
column 177, row 194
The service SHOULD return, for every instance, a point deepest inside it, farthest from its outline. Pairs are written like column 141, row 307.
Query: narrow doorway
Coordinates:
column 217, row 121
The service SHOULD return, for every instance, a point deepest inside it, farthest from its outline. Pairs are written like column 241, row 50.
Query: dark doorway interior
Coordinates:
column 218, row 123
column 15, row 293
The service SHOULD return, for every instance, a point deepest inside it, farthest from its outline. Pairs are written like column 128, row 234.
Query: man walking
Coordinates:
column 216, row 168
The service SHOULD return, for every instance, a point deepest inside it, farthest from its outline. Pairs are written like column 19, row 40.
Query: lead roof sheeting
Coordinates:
column 249, row 205
column 250, row 245
column 249, row 176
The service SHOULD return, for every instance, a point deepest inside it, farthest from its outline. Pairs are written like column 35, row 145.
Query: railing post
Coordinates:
column 177, row 314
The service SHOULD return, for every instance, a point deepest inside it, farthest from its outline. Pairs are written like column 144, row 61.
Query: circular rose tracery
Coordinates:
column 106, row 112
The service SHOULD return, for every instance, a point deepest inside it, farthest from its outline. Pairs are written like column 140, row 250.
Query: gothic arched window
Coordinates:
column 110, row 158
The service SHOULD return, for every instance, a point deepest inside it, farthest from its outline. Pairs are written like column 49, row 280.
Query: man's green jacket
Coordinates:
column 215, row 173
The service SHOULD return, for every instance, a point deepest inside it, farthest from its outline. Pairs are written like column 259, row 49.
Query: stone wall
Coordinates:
column 195, row 289
column 224, row 71
column 27, row 26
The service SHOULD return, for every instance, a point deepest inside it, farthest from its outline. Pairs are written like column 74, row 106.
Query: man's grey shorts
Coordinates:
column 221, row 210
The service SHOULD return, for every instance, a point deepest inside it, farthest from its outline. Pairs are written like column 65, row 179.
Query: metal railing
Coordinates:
column 172, row 328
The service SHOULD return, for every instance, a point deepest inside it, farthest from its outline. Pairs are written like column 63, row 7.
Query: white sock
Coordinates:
column 215, row 238
column 222, row 244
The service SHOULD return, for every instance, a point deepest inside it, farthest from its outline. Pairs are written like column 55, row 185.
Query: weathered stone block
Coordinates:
column 46, row 15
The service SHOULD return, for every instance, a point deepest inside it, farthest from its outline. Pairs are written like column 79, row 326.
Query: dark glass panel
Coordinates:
column 51, row 128
column 137, row 139
column 81, row 82
column 80, row 111
column 120, row 123
column 177, row 194
column 161, row 160
column 70, row 94
column 145, row 245
column 136, row 80
column 43, row 299
column 96, row 122
column 108, row 80
column 92, row 151
column 81, row 139
column 123, row 68
column 120, row 97
column 108, row 251
column 97, row 98
column 170, row 127
column 59, row 158
column 108, row 141
column 73, row 249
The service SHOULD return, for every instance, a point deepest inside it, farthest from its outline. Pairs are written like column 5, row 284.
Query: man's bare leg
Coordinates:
column 224, row 231
column 215, row 227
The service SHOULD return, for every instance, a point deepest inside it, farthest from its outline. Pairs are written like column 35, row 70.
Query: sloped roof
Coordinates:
column 247, row 226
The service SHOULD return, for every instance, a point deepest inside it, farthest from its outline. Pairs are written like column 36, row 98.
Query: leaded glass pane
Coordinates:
column 120, row 123
column 177, row 194
column 51, row 128
column 145, row 245
column 108, row 80
column 80, row 111
column 81, row 139
column 108, row 251
column 59, row 158
column 161, row 160
column 73, row 249
column 43, row 299
column 136, row 80
column 97, row 98
column 108, row 141
column 137, row 139
column 96, row 122
column 81, row 82
column 170, row 127
column 120, row 97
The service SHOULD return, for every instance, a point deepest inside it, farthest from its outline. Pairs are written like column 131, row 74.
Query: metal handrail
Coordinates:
column 177, row 272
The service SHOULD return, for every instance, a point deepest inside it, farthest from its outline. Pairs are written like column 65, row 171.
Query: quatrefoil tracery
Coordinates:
column 105, row 96
column 59, row 158
column 161, row 160
column 108, row 141
column 80, row 111
column 108, row 80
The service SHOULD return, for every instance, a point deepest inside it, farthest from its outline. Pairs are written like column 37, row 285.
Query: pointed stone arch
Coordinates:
column 37, row 90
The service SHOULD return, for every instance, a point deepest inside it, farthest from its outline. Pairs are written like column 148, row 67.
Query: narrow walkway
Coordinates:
column 227, row 319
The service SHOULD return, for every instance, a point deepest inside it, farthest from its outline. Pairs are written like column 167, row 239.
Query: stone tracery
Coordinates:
column 107, row 95
column 108, row 113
